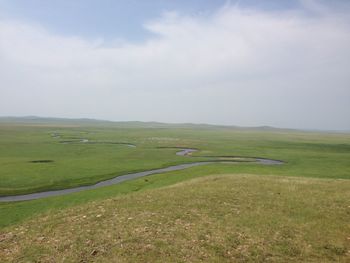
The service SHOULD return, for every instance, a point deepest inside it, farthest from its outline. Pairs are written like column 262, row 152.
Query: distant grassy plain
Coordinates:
column 307, row 155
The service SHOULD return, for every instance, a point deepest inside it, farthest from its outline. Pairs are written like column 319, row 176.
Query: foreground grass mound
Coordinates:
column 215, row 219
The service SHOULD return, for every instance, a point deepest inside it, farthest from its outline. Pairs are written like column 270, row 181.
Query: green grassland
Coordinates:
column 306, row 154
column 295, row 211
column 222, row 218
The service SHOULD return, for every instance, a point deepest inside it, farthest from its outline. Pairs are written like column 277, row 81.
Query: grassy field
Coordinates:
column 222, row 218
column 306, row 154
column 298, row 211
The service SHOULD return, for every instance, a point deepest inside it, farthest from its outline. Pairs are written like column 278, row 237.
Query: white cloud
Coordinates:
column 237, row 66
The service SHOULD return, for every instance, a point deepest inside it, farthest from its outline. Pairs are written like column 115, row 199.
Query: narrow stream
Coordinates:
column 130, row 176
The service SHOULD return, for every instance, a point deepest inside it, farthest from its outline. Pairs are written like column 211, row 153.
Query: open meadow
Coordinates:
column 233, row 209
column 174, row 131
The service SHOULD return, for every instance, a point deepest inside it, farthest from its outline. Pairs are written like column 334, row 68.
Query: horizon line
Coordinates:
column 33, row 117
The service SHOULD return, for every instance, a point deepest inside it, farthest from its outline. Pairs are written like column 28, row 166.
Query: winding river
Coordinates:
column 131, row 176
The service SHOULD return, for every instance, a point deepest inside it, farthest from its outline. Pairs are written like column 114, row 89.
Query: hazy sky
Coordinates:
column 247, row 62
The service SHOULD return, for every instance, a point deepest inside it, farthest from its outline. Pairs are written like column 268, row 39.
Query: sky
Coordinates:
column 248, row 63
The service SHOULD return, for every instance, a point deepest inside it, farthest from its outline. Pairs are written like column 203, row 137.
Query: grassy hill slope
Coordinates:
column 225, row 218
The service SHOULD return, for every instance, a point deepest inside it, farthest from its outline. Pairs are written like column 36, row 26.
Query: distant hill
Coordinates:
column 87, row 121
column 36, row 120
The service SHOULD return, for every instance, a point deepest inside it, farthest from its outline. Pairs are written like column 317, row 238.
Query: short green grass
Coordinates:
column 298, row 211
column 73, row 164
column 306, row 154
column 221, row 218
